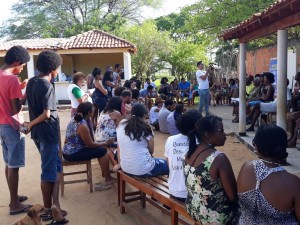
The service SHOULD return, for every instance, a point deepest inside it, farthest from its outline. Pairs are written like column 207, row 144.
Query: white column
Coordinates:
column 281, row 77
column 127, row 65
column 242, row 90
column 30, row 67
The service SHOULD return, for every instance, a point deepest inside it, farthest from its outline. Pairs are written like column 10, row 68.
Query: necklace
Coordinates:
column 266, row 161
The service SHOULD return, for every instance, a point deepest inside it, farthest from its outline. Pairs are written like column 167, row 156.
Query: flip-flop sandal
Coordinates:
column 24, row 210
column 64, row 221
column 48, row 215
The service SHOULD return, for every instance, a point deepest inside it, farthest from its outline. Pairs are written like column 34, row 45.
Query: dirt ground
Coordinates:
column 85, row 208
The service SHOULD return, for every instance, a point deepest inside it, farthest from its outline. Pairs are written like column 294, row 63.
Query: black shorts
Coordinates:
column 86, row 154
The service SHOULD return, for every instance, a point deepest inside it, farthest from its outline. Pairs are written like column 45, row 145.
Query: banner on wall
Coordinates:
column 273, row 69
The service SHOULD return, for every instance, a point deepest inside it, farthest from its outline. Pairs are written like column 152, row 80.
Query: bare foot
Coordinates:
column 58, row 215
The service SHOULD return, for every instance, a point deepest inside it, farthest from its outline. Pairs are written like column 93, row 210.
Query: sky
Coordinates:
column 168, row 7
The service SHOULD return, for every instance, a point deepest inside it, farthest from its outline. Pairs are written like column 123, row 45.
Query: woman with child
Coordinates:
column 136, row 145
column 210, row 182
column 79, row 145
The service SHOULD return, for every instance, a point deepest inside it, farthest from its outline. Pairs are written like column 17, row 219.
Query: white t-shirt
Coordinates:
column 162, row 119
column 153, row 116
column 175, row 150
column 202, row 84
column 74, row 102
column 171, row 124
column 134, row 155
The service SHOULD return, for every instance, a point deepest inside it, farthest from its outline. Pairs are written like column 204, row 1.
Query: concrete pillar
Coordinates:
column 242, row 90
column 281, row 77
column 30, row 67
column 127, row 65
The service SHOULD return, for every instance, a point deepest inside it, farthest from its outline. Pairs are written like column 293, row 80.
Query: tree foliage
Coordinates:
column 64, row 18
column 150, row 44
column 183, row 57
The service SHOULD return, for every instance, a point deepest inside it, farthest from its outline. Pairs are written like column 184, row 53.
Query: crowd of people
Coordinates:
column 113, row 124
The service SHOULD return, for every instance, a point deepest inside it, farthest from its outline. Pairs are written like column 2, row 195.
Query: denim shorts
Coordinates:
column 13, row 146
column 51, row 162
column 160, row 168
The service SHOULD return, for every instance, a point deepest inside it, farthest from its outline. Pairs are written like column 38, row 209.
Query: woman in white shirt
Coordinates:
column 136, row 145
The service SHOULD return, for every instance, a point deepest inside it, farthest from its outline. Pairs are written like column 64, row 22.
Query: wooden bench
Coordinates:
column 155, row 191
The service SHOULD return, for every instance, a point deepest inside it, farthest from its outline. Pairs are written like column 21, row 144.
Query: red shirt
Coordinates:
column 9, row 89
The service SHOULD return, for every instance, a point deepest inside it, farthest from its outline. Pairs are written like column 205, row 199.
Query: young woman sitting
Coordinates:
column 268, row 194
column 106, row 128
column 79, row 145
column 210, row 182
column 136, row 145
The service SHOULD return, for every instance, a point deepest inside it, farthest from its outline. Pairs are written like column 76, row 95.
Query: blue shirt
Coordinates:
column 184, row 86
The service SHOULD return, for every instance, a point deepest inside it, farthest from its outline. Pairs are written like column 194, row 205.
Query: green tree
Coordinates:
column 150, row 44
column 183, row 57
column 52, row 18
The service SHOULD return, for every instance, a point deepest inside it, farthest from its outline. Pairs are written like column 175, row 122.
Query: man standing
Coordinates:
column 45, row 130
column 203, row 85
column 13, row 142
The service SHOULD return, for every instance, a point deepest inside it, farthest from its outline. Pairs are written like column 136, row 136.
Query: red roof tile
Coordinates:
column 268, row 15
column 94, row 39
column 32, row 44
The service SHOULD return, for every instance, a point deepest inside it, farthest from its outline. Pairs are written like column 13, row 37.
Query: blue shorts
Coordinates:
column 252, row 103
column 13, row 146
column 51, row 162
column 160, row 168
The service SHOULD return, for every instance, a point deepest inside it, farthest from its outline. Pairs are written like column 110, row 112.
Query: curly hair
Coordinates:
column 16, row 54
column 114, row 103
column 269, row 76
column 186, row 122
column 271, row 141
column 77, row 76
column 207, row 124
column 136, row 127
column 48, row 61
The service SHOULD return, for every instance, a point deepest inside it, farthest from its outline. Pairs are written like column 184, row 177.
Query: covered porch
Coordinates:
column 277, row 18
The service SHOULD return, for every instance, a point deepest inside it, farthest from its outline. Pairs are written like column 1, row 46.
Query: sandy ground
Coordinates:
column 100, row 208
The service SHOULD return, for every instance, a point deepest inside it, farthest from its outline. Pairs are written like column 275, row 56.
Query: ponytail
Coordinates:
column 192, row 143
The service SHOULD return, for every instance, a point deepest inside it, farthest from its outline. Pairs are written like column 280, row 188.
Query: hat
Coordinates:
column 159, row 100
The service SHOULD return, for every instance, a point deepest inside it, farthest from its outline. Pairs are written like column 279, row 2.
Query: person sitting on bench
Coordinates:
column 175, row 150
column 210, row 182
column 136, row 145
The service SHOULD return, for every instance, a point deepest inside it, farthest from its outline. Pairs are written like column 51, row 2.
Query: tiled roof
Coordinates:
column 32, row 44
column 275, row 12
column 94, row 39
